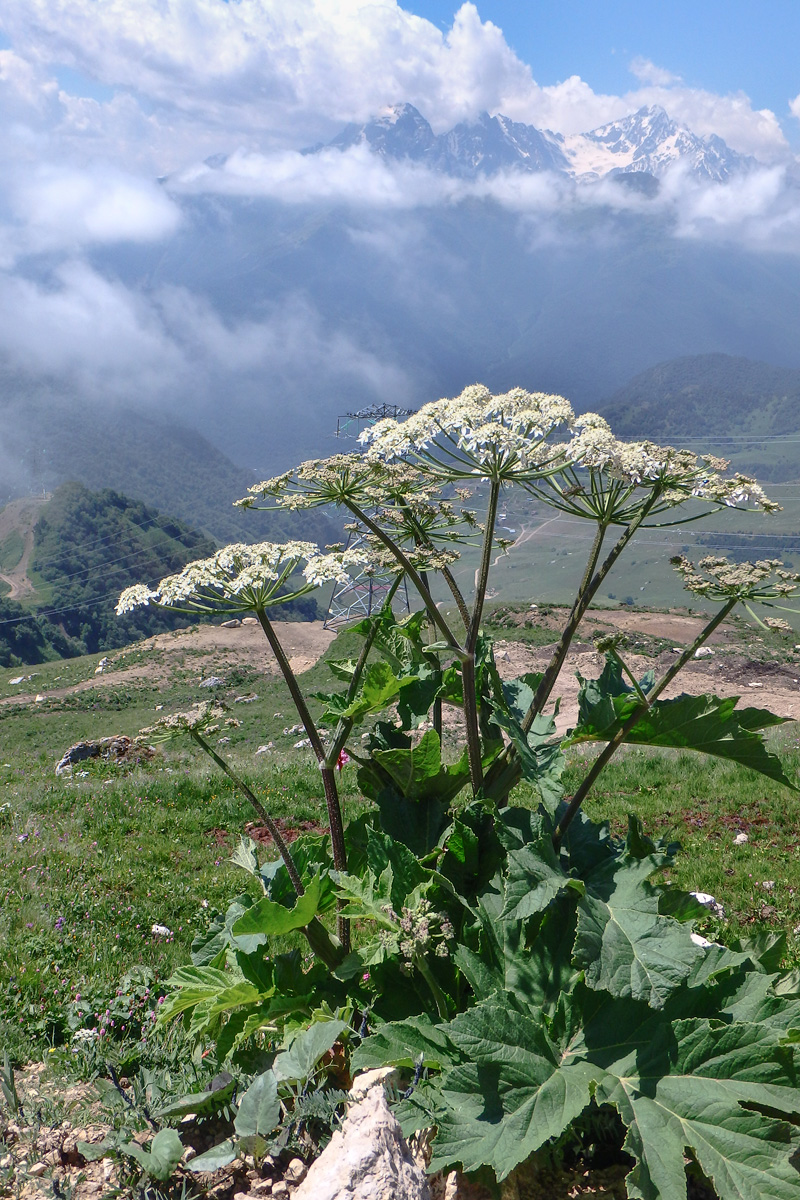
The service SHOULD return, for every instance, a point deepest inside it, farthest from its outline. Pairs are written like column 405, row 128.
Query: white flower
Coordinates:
column 245, row 578
column 475, row 434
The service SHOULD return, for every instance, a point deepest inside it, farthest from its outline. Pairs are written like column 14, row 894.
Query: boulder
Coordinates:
column 118, row 749
column 368, row 1159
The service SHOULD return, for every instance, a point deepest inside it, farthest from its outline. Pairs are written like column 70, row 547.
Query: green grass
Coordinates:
column 90, row 863
column 703, row 803
column 11, row 550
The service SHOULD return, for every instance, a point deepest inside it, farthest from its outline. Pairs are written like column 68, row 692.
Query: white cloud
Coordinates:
column 648, row 72
column 194, row 76
column 64, row 207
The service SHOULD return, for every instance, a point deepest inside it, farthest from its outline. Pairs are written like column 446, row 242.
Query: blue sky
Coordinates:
column 720, row 45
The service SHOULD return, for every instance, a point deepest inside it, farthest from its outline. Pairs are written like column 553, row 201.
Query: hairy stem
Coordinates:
column 328, row 779
column 298, row 698
column 610, row 749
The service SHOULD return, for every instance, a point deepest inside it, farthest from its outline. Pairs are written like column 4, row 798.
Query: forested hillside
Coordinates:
column 88, row 547
column 707, row 394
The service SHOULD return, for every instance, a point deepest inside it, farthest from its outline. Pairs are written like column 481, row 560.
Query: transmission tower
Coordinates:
column 364, row 594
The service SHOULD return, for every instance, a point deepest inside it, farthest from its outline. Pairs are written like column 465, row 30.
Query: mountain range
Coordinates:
column 646, row 142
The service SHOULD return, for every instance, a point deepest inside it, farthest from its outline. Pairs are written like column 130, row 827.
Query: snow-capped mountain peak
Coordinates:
column 649, row 140
column 645, row 142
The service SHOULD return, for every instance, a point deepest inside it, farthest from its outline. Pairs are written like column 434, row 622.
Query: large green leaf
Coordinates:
column 692, row 1085
column 405, row 1044
column 267, row 917
column 307, row 1048
column 624, row 945
column 706, row 724
column 511, row 1093
column 260, row 1109
column 416, row 792
column 194, row 985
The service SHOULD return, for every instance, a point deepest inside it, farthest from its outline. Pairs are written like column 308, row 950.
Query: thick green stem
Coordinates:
column 412, row 573
column 455, row 591
column 328, row 780
column 337, row 846
column 641, row 708
column 468, row 679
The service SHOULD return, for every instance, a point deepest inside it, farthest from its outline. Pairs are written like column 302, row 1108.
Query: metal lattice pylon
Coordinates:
column 362, row 595
column 365, row 593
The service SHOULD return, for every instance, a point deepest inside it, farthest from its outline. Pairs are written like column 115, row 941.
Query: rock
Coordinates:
column 368, row 1159
column 249, row 620
column 189, row 1153
column 296, row 1171
column 161, row 931
column 117, row 749
column 234, row 624
column 212, row 681
column 370, row 1079
column 710, row 902
column 704, row 652
column 37, row 1170
column 740, row 839
column 6, row 1161
column 266, row 749
column 282, row 1189
column 261, row 1187
column 251, row 699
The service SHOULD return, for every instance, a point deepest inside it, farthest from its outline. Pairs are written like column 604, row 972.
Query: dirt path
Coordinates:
column 211, row 648
column 20, row 516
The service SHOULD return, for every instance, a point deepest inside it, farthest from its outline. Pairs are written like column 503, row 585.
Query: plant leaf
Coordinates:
column 259, row 1109
column 706, row 724
column 267, row 917
column 510, row 1094
column 623, row 943
column 307, row 1048
column 162, row 1157
column 215, row 1158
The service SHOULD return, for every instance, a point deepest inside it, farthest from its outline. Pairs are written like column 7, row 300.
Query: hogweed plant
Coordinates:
column 522, row 967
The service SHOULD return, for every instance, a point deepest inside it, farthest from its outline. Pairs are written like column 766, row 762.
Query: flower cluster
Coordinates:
column 475, row 435
column 200, row 718
column 335, row 480
column 717, row 578
column 420, row 931
column 618, row 468
column 242, row 578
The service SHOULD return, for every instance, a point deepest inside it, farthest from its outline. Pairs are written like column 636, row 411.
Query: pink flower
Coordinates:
column 343, row 758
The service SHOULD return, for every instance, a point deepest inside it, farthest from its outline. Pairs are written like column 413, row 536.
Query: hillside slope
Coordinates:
column 742, row 407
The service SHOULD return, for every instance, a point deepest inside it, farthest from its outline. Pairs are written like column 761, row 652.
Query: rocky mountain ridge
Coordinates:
column 648, row 142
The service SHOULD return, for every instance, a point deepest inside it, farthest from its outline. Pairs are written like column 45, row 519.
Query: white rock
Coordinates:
column 249, row 620
column 367, row 1159
column 755, row 685
column 37, row 1170
column 234, row 624
column 161, row 931
column 740, row 839
column 370, row 1079
column 710, row 902
column 768, row 885
column 704, row 652
column 267, row 749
